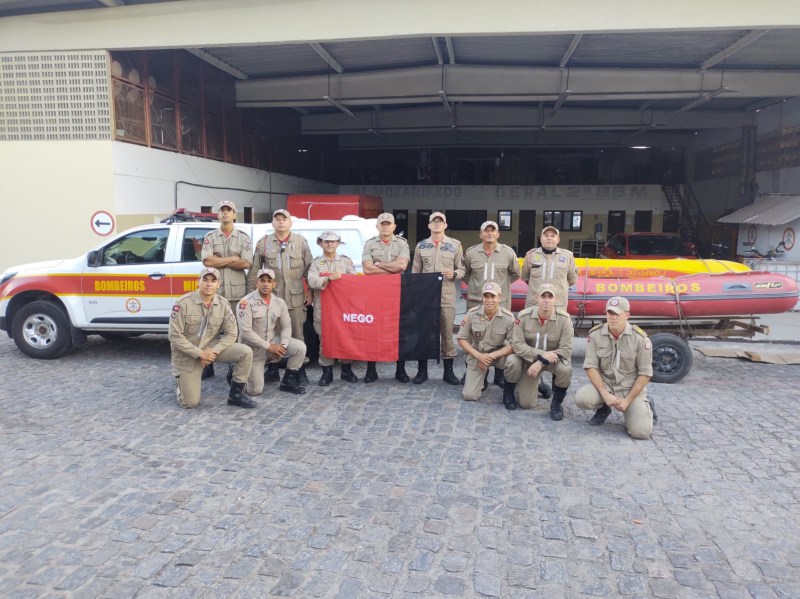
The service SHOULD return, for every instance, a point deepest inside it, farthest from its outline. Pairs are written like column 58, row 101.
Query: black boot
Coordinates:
column 372, row 374
column 272, row 374
column 348, row 374
column 327, row 376
column 509, row 401
column 236, row 397
column 449, row 376
column 290, row 383
column 208, row 372
column 556, row 409
column 400, row 373
column 302, row 377
column 600, row 416
column 485, row 380
column 229, row 376
column 544, row 389
column 422, row 372
column 499, row 378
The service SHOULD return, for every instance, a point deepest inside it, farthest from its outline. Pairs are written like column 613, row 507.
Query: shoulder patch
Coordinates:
column 176, row 309
column 243, row 305
column 638, row 330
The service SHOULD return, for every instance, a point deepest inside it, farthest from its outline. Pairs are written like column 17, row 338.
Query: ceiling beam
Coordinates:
column 702, row 100
column 216, row 62
column 511, row 85
column 576, row 39
column 325, row 55
column 112, row 3
column 733, row 48
column 527, row 118
column 336, row 104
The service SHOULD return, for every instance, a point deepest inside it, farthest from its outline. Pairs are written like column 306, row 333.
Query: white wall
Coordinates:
column 150, row 184
column 50, row 190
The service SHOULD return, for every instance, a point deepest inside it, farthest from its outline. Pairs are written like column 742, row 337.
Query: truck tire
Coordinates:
column 42, row 330
column 672, row 358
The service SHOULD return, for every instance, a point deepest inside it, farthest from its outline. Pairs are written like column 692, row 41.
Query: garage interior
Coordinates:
column 675, row 109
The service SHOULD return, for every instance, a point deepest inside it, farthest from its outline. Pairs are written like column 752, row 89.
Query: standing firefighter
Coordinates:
column 441, row 254
column 329, row 267
column 228, row 250
column 385, row 254
column 288, row 255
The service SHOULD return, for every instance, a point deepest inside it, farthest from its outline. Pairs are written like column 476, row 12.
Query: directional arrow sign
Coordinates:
column 102, row 223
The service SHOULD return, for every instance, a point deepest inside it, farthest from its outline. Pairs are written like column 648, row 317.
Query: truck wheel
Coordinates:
column 42, row 330
column 672, row 358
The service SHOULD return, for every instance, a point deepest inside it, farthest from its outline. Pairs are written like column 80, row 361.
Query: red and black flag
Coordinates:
column 382, row 318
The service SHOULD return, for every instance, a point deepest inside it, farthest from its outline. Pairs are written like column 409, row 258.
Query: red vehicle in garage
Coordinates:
column 648, row 246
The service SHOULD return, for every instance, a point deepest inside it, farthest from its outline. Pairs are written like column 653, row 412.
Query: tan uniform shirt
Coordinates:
column 290, row 264
column 532, row 338
column 500, row 266
column 376, row 251
column 446, row 255
column 260, row 322
column 483, row 334
column 557, row 268
column 318, row 277
column 194, row 328
column 233, row 282
column 619, row 361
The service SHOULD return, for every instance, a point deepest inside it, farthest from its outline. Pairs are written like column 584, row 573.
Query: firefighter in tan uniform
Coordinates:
column 542, row 342
column 485, row 337
column 229, row 251
column 329, row 267
column 202, row 330
column 619, row 364
column 265, row 326
column 288, row 255
column 385, row 254
column 490, row 261
column 444, row 255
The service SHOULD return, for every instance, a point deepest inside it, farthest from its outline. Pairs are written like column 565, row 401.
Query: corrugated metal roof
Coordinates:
column 774, row 210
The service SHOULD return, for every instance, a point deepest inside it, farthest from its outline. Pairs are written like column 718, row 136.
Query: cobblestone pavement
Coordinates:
column 109, row 489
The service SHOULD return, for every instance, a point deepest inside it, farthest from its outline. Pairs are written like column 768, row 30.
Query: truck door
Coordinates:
column 131, row 283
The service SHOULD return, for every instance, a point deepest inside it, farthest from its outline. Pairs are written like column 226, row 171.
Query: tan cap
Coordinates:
column 227, row 203
column 546, row 288
column 266, row 271
column 328, row 236
column 283, row 211
column 551, row 228
column 489, row 223
column 209, row 270
column 618, row 305
column 385, row 217
column 492, row 288
column 437, row 215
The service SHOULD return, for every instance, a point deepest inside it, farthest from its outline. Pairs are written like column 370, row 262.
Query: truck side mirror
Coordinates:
column 93, row 258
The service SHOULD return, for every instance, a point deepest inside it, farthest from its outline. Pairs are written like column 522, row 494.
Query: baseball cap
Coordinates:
column 382, row 218
column 546, row 288
column 209, row 270
column 551, row 228
column 329, row 236
column 437, row 215
column 618, row 305
column 489, row 223
column 266, row 271
column 227, row 203
column 492, row 288
column 283, row 211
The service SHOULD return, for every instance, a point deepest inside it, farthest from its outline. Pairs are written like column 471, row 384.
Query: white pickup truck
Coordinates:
column 128, row 284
